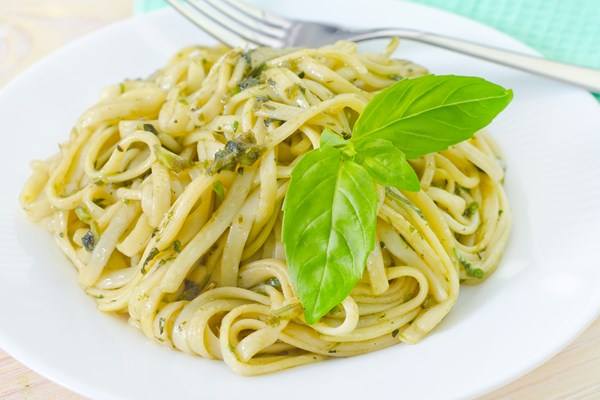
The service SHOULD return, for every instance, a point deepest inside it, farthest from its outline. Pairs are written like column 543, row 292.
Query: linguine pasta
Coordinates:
column 167, row 199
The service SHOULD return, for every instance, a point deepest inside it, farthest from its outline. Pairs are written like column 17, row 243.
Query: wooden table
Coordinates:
column 30, row 29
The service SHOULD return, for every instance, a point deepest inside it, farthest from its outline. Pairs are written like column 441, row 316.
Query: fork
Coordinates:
column 238, row 24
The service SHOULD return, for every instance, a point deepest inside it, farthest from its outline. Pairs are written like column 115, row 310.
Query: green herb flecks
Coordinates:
column 471, row 209
column 468, row 267
column 399, row 198
column 236, row 153
column 100, row 202
column 88, row 240
column 150, row 128
column 267, row 122
column 153, row 253
column 252, row 78
column 219, row 190
column 171, row 160
column 191, row 290
column 177, row 246
column 259, row 56
column 460, row 190
column 262, row 99
column 274, row 282
column 271, row 83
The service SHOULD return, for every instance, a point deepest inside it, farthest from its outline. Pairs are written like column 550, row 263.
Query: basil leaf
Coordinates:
column 330, row 138
column 431, row 113
column 329, row 219
column 387, row 164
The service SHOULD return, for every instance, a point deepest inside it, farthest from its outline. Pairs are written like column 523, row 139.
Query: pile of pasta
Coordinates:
column 167, row 199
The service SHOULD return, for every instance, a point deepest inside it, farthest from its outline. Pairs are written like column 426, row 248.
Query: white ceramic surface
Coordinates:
column 544, row 293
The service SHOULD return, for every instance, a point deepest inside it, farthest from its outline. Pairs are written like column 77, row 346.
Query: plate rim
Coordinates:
column 79, row 386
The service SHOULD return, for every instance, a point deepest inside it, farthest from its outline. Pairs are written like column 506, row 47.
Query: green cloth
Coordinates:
column 148, row 5
column 563, row 30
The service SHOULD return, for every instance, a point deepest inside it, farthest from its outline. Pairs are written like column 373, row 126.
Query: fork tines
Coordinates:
column 235, row 23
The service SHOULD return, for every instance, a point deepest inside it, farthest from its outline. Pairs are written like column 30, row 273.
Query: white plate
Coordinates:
column 544, row 293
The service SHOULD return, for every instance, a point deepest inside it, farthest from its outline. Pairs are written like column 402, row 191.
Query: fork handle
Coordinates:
column 587, row 78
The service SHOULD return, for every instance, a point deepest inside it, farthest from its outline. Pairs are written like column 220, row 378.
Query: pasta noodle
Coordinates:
column 142, row 200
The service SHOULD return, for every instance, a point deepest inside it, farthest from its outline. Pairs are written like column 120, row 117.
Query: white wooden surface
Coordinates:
column 30, row 29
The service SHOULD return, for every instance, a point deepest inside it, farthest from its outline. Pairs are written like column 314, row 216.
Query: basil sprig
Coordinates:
column 431, row 113
column 330, row 209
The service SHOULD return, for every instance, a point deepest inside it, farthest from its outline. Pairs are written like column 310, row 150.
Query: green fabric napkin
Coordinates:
column 563, row 30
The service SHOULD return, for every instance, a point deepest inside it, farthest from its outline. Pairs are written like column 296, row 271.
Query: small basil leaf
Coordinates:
column 330, row 138
column 386, row 164
column 430, row 113
column 329, row 219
